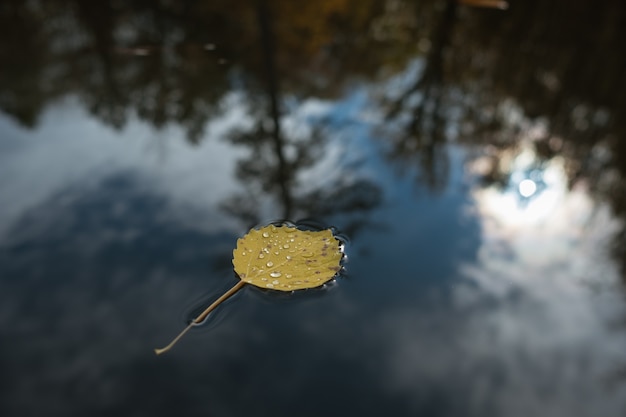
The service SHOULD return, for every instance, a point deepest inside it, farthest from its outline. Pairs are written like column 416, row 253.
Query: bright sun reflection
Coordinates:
column 532, row 194
column 527, row 188
column 533, row 219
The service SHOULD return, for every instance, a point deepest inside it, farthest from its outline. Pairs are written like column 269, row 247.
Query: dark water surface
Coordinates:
column 474, row 156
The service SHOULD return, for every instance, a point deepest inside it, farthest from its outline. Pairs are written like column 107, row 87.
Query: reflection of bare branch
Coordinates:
column 268, row 166
column 422, row 141
column 268, row 45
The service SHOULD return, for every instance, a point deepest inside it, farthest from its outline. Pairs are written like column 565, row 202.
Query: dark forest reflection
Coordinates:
column 173, row 63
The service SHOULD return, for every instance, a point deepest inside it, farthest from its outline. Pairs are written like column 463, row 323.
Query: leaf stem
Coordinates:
column 202, row 316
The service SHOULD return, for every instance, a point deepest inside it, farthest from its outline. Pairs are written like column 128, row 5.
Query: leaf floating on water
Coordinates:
column 286, row 259
column 280, row 258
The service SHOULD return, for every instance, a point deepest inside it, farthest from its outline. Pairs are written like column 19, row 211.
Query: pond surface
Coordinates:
column 474, row 156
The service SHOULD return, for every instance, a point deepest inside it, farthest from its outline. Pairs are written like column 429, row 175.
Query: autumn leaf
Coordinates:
column 281, row 258
column 286, row 259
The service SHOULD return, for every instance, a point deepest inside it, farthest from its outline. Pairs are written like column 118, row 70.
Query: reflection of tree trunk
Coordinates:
column 98, row 18
column 425, row 134
column 432, row 75
column 268, row 44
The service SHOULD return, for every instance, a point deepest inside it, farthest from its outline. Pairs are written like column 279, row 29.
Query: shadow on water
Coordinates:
column 474, row 156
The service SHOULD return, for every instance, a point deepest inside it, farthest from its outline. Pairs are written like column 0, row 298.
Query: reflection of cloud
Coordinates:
column 521, row 337
column 70, row 147
column 533, row 193
column 344, row 122
column 505, row 357
column 528, row 329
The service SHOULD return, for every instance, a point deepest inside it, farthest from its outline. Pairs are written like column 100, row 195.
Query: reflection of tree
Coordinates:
column 163, row 81
column 20, row 92
column 275, row 160
column 421, row 142
column 267, row 170
column 548, row 61
column 171, row 62
column 117, row 58
column 565, row 74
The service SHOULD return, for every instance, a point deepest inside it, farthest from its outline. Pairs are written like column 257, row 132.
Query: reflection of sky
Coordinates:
column 69, row 147
column 474, row 301
column 528, row 331
column 106, row 237
column 531, row 195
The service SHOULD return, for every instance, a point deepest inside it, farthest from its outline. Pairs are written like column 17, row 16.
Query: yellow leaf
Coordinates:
column 280, row 258
column 286, row 259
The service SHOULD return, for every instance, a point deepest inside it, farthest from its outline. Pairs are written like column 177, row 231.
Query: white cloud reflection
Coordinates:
column 531, row 325
column 69, row 147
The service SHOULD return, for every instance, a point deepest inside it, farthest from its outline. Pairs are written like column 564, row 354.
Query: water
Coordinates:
column 474, row 158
